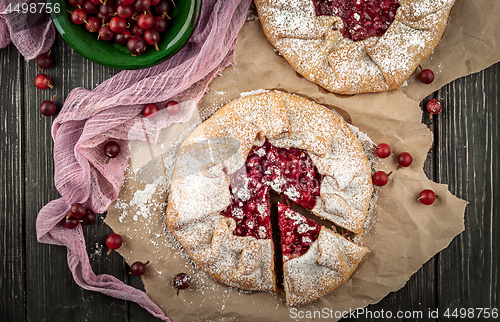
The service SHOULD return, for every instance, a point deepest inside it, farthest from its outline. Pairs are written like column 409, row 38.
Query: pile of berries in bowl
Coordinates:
column 126, row 34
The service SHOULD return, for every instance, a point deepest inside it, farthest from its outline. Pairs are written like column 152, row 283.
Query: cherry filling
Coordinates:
column 253, row 217
column 362, row 18
column 297, row 232
column 288, row 171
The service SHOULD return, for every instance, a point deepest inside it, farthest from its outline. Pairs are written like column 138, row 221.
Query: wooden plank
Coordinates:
column 468, row 161
column 12, row 223
column 53, row 295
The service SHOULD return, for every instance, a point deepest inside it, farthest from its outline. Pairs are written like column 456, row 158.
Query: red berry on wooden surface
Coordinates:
column 44, row 60
column 383, row 150
column 114, row 241
column 48, row 108
column 89, row 217
column 427, row 197
column 70, row 222
column 405, row 159
column 42, row 81
column 78, row 210
column 150, row 110
column 111, row 149
column 380, row 178
column 138, row 268
column 426, row 76
column 173, row 108
column 181, row 281
column 434, row 106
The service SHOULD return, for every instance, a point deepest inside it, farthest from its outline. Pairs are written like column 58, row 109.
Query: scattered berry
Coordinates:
column 426, row 76
column 173, row 108
column 78, row 210
column 138, row 268
column 427, row 197
column 44, row 60
column 42, row 81
column 89, row 217
column 383, row 150
column 405, row 159
column 48, row 108
column 150, row 110
column 434, row 106
column 70, row 222
column 181, row 281
column 114, row 241
column 380, row 178
column 111, row 149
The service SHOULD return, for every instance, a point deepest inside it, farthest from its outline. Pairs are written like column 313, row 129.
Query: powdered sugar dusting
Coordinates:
column 315, row 47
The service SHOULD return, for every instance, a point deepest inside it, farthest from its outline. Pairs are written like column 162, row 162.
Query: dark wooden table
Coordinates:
column 35, row 280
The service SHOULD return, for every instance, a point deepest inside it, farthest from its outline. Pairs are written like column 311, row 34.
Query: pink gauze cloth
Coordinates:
column 112, row 111
column 31, row 33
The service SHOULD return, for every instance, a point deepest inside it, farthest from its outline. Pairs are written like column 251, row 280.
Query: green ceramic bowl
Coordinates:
column 108, row 53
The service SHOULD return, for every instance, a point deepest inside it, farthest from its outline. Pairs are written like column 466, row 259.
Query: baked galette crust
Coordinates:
column 218, row 147
column 315, row 47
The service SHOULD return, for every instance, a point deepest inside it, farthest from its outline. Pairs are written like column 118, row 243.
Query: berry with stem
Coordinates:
column 45, row 60
column 181, row 281
column 105, row 33
column 93, row 24
column 78, row 16
column 383, row 150
column 117, row 24
column 114, row 241
column 405, row 159
column 152, row 37
column 123, row 38
column 48, row 107
column 380, row 178
column 89, row 217
column 136, row 45
column 70, row 222
column 145, row 21
column 427, row 197
column 138, row 268
column 42, row 81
